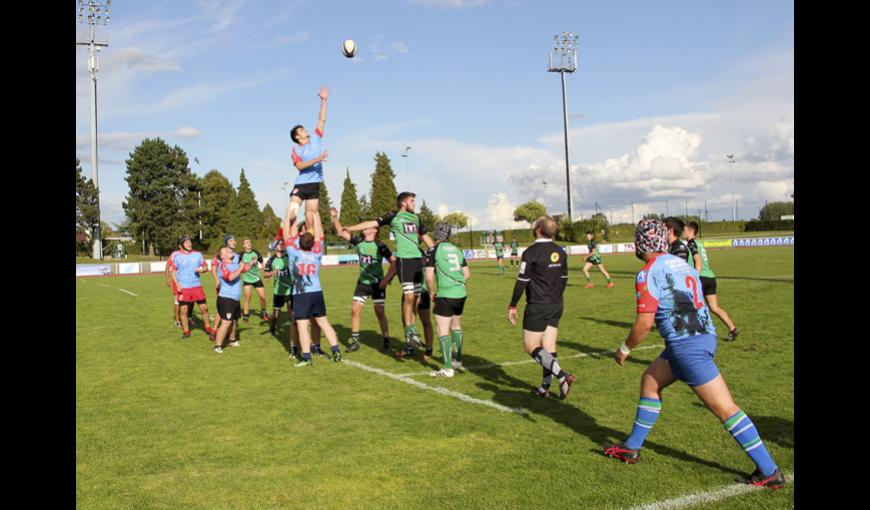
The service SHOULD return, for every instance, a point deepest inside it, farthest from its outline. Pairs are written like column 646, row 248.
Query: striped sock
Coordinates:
column 547, row 361
column 445, row 350
column 457, row 341
column 648, row 410
column 744, row 432
column 548, row 376
column 354, row 335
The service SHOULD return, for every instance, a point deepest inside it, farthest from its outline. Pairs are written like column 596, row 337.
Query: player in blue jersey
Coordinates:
column 186, row 266
column 308, row 157
column 308, row 302
column 669, row 296
column 230, row 272
column 229, row 242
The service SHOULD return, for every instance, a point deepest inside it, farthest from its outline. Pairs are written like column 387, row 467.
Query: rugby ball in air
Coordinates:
column 348, row 48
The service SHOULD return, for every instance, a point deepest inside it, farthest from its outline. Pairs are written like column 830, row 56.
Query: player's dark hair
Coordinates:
column 402, row 196
column 547, row 225
column 306, row 241
column 588, row 232
column 676, row 225
column 694, row 226
column 293, row 135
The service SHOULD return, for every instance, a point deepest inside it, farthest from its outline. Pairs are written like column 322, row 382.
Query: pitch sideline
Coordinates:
column 711, row 496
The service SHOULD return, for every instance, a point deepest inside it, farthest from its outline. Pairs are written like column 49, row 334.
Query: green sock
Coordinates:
column 457, row 341
column 445, row 350
column 610, row 280
column 588, row 279
column 408, row 330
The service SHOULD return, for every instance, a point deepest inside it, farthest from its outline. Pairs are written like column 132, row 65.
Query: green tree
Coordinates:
column 774, row 210
column 427, row 217
column 530, row 211
column 350, row 204
column 86, row 204
column 567, row 230
column 217, row 195
column 270, row 223
column 245, row 216
column 456, row 219
column 157, row 204
column 383, row 193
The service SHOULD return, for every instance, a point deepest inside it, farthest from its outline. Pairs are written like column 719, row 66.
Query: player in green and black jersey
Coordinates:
column 499, row 255
column 253, row 279
column 278, row 266
column 515, row 250
column 446, row 275
column 707, row 277
column 371, row 281
column 594, row 259
column 408, row 230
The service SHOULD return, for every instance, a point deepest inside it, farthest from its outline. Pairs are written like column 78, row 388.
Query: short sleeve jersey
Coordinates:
column 306, row 268
column 671, row 289
column 544, row 265
column 307, row 152
column 448, row 261
column 407, row 228
column 253, row 258
column 371, row 255
column 680, row 249
column 706, row 272
column 283, row 274
column 231, row 289
column 185, row 264
column 514, row 247
column 499, row 249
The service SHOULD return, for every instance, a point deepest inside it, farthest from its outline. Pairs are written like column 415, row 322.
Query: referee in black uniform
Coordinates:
column 543, row 276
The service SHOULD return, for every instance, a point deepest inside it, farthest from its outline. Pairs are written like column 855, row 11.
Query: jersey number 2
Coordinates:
column 693, row 284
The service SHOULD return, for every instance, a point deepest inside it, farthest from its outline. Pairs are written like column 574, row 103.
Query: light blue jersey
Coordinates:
column 231, row 289
column 306, row 268
column 184, row 265
column 305, row 153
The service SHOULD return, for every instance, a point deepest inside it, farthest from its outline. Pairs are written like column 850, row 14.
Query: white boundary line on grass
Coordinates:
column 103, row 285
column 530, row 360
column 436, row 389
column 706, row 497
column 128, row 292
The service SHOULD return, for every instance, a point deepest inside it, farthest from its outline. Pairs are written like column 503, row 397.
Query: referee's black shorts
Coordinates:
column 537, row 316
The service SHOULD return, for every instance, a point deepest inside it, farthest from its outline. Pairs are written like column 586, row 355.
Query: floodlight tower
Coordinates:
column 731, row 164
column 407, row 168
column 94, row 13
column 565, row 50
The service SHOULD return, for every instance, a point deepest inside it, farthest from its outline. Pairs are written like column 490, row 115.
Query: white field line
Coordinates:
column 706, row 497
column 128, row 292
column 103, row 285
column 530, row 360
column 436, row 389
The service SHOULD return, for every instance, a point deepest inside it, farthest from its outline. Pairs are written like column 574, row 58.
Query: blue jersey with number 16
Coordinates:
column 306, row 268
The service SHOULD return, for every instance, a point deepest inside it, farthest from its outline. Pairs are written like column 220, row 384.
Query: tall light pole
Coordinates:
column 565, row 51
column 407, row 168
column 92, row 12
column 733, row 207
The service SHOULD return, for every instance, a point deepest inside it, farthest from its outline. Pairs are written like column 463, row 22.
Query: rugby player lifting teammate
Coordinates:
column 371, row 281
column 407, row 229
column 308, row 157
column 669, row 297
column 543, row 276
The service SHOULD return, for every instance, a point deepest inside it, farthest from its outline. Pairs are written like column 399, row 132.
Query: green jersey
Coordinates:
column 407, row 228
column 499, row 250
column 253, row 258
column 448, row 262
column 283, row 275
column 706, row 272
column 371, row 254
column 514, row 247
column 593, row 246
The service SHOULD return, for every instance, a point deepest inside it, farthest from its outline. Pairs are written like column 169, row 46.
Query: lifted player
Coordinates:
column 371, row 281
column 408, row 230
column 594, row 259
column 669, row 297
column 446, row 275
column 708, row 278
column 252, row 279
column 308, row 157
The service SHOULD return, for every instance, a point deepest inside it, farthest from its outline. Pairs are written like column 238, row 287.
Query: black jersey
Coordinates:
column 543, row 274
column 680, row 249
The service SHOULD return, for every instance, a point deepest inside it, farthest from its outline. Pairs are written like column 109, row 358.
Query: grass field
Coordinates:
column 166, row 423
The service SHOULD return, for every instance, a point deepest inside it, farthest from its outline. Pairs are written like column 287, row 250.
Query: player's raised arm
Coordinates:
column 362, row 226
column 342, row 232
column 428, row 240
column 321, row 119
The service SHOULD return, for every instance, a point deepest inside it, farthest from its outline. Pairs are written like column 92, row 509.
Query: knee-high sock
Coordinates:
column 744, row 432
column 457, row 341
column 549, row 362
column 548, row 376
column 445, row 350
column 648, row 410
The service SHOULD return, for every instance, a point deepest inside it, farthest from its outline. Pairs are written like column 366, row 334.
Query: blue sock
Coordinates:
column 306, row 356
column 335, row 348
column 648, row 410
column 743, row 431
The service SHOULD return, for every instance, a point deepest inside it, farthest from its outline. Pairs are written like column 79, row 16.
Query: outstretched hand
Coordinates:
column 324, row 155
column 333, row 212
column 324, row 92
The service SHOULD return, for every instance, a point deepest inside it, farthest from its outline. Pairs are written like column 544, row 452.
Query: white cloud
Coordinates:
column 399, row 47
column 124, row 141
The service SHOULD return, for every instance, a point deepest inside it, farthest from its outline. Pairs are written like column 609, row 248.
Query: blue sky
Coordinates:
column 663, row 91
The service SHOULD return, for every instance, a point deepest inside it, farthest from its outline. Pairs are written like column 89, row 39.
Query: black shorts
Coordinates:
column 308, row 305
column 365, row 290
column 257, row 284
column 499, row 257
column 708, row 286
column 278, row 301
column 425, row 303
column 306, row 191
column 448, row 307
column 538, row 316
column 595, row 261
column 228, row 309
column 410, row 275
